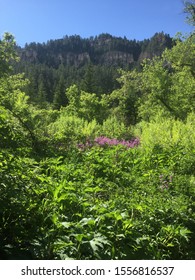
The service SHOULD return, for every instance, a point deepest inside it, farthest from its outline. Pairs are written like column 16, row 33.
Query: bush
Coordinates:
column 113, row 128
column 71, row 129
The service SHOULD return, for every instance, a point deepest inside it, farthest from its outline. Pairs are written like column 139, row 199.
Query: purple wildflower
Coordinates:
column 105, row 141
column 113, row 142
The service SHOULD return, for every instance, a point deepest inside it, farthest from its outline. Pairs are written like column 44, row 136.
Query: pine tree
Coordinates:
column 88, row 84
column 60, row 98
column 42, row 93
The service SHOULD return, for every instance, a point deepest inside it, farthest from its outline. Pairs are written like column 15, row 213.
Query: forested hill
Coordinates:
column 104, row 49
column 90, row 63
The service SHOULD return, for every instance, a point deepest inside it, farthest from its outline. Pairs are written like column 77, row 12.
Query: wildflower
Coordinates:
column 103, row 141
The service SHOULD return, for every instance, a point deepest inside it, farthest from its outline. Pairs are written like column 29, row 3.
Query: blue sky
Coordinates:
column 42, row 20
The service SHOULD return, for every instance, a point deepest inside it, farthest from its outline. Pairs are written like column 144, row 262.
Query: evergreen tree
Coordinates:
column 42, row 93
column 60, row 98
column 32, row 88
column 88, row 84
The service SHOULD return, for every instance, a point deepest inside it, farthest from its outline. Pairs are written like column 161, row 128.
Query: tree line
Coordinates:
column 92, row 64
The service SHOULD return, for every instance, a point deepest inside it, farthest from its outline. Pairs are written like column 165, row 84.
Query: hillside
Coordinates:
column 90, row 63
column 104, row 49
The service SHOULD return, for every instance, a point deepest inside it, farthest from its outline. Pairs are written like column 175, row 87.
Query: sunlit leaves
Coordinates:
column 7, row 53
column 168, row 82
column 189, row 9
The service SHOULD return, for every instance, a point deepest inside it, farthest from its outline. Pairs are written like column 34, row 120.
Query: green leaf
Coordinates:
column 184, row 232
column 87, row 221
column 98, row 242
column 66, row 224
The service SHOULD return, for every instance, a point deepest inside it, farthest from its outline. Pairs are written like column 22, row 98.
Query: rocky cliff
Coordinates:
column 104, row 49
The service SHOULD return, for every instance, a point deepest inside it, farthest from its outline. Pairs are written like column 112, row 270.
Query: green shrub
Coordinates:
column 113, row 128
column 71, row 129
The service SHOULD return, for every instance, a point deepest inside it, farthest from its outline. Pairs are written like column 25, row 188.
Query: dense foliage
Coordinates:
column 105, row 176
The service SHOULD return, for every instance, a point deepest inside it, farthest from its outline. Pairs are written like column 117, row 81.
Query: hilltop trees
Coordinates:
column 91, row 64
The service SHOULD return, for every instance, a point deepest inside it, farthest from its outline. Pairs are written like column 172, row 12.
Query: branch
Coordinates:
column 171, row 110
column 35, row 142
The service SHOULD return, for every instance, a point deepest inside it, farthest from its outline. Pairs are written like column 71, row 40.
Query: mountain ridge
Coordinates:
column 93, row 49
column 90, row 63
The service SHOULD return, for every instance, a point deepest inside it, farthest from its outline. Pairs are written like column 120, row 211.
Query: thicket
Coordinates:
column 105, row 176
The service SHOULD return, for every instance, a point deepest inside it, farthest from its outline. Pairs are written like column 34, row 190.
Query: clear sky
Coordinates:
column 42, row 20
